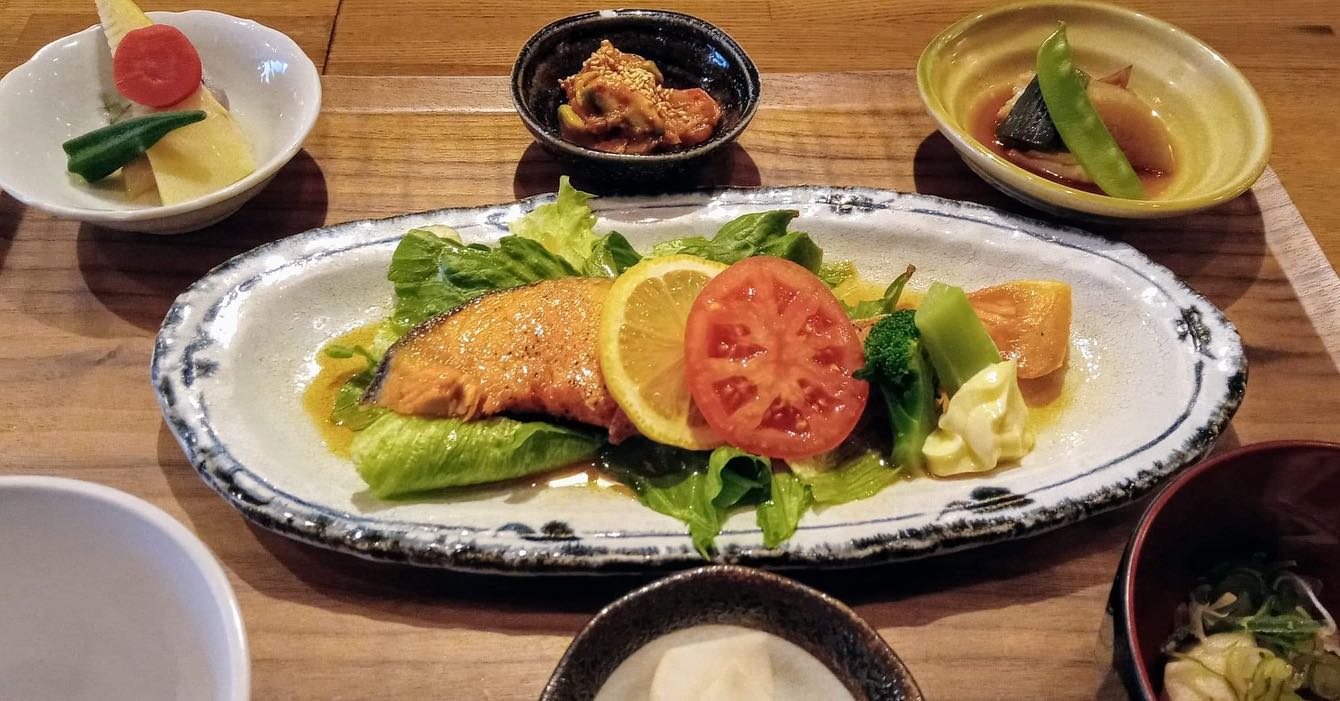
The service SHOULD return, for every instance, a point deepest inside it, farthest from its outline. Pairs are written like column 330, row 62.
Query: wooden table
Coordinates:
column 79, row 307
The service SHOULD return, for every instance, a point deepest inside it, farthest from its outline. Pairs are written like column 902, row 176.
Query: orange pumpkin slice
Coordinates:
column 1030, row 322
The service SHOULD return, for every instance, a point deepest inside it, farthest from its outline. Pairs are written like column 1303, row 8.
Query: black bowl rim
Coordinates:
column 749, row 107
column 1124, row 622
column 762, row 578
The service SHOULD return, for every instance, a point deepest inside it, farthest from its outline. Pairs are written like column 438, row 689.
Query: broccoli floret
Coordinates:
column 896, row 365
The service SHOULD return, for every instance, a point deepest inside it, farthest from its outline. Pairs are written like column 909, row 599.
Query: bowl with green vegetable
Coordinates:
column 160, row 122
column 1083, row 108
column 1230, row 583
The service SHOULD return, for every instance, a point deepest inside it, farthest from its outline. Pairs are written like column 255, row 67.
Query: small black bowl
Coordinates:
column 740, row 596
column 691, row 53
column 1278, row 498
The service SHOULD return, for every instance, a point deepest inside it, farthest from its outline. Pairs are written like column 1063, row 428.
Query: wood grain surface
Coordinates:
column 79, row 307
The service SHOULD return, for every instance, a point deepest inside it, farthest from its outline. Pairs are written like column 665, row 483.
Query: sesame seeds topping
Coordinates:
column 618, row 103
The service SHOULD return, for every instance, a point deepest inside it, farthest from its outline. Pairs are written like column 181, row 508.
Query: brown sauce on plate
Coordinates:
column 319, row 397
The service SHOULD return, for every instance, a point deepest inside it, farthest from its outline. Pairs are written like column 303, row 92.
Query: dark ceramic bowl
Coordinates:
column 690, row 53
column 730, row 595
column 1279, row 498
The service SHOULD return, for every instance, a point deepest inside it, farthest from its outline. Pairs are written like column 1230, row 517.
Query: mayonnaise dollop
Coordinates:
column 986, row 422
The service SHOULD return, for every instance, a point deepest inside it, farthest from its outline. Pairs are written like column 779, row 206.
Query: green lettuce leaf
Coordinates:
column 758, row 234
column 565, row 227
column 745, row 477
column 834, row 274
column 857, row 478
column 698, row 488
column 797, row 247
column 433, row 274
column 857, row 469
column 349, row 411
column 611, row 256
column 398, row 455
column 886, row 304
column 788, row 499
column 415, row 271
column 680, row 245
column 744, row 236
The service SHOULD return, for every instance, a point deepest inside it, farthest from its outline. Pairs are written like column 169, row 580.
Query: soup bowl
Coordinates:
column 1273, row 498
column 108, row 598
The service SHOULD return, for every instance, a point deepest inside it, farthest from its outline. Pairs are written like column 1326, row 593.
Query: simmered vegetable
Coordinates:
column 156, row 66
column 1029, row 125
column 99, row 153
column 190, row 162
column 1064, row 90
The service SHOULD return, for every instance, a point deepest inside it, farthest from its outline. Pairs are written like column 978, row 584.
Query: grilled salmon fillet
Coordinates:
column 526, row 350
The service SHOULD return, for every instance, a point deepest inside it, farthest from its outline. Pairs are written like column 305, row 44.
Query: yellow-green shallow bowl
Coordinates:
column 1220, row 132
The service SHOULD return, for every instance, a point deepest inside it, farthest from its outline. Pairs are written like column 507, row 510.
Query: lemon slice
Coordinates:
column 642, row 348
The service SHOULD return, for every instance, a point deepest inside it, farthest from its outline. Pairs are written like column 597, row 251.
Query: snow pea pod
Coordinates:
column 99, row 153
column 1082, row 130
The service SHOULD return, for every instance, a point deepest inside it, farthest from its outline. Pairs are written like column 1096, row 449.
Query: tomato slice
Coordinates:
column 769, row 354
column 156, row 66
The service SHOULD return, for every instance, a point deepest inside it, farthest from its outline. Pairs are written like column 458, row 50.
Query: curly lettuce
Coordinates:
column 758, row 234
column 564, row 227
column 703, row 488
column 399, row 455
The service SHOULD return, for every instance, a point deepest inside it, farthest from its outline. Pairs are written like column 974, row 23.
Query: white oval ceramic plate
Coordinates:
column 1156, row 373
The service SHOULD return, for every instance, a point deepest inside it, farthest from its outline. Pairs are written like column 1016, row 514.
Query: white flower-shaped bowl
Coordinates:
column 271, row 87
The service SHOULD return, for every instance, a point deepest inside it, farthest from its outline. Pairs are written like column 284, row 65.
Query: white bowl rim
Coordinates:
column 220, row 591
column 262, row 172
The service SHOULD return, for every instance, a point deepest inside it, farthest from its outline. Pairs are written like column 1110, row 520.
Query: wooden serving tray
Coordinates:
column 79, row 307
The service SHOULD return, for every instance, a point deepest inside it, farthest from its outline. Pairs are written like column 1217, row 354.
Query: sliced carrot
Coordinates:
column 156, row 66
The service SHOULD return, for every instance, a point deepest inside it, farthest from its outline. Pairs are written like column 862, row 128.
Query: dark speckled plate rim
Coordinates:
column 893, row 666
column 550, row 549
column 749, row 107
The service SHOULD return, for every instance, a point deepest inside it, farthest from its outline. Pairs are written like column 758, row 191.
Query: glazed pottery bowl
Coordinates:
column 271, row 88
column 1219, row 129
column 106, row 597
column 689, row 52
column 739, row 596
column 1277, row 498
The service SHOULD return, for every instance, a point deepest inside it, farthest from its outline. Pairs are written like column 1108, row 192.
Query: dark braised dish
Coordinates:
column 618, row 103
